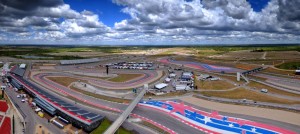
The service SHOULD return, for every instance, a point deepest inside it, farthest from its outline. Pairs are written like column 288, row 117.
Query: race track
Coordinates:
column 161, row 114
column 200, row 66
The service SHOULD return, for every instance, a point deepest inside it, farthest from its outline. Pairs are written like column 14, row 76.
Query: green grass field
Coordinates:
column 289, row 65
column 105, row 124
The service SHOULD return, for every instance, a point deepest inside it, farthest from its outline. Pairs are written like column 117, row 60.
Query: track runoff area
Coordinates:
column 208, row 122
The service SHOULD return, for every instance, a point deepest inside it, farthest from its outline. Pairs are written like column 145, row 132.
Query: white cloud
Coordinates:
column 156, row 21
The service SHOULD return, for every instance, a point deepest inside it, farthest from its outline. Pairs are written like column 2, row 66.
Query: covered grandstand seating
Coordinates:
column 46, row 106
column 80, row 61
column 78, row 117
column 16, row 84
column 18, row 71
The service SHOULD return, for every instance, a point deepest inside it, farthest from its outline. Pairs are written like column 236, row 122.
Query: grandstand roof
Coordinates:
column 17, row 70
column 69, row 109
column 80, row 61
column 161, row 85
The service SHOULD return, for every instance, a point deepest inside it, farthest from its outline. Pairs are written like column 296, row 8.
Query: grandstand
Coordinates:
column 81, row 61
column 17, row 70
column 16, row 84
column 46, row 106
column 80, row 118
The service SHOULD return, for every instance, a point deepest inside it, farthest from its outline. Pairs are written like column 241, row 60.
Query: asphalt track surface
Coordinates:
column 200, row 66
column 147, row 77
column 280, row 81
column 155, row 116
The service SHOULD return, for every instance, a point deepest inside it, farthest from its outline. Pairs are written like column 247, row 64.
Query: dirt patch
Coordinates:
column 124, row 77
column 288, row 55
column 242, row 93
column 65, row 81
column 242, row 55
column 213, row 85
column 245, row 66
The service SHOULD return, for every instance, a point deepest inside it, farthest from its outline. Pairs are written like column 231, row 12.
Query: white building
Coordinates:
column 172, row 75
column 160, row 86
column 167, row 80
column 23, row 66
column 182, row 87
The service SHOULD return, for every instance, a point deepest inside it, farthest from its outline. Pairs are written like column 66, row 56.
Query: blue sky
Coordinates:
column 157, row 22
column 258, row 5
column 108, row 12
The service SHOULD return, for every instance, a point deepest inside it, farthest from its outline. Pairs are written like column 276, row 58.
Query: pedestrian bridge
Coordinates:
column 117, row 123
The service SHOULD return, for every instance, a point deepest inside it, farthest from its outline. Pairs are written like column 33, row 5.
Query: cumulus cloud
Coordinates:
column 289, row 10
column 220, row 17
column 152, row 21
column 44, row 19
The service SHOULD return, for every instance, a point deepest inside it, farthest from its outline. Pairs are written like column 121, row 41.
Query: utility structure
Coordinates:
column 107, row 67
column 245, row 73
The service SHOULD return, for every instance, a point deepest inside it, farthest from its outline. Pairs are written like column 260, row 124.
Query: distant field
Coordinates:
column 199, row 51
column 283, row 55
column 241, row 55
column 249, row 95
column 289, row 65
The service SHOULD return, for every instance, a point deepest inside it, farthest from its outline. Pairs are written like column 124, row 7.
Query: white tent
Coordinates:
column 167, row 80
column 172, row 75
column 161, row 85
